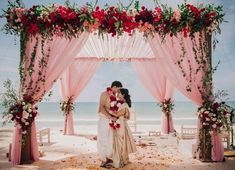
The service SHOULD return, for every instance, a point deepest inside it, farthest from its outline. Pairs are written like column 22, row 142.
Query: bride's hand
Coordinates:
column 114, row 118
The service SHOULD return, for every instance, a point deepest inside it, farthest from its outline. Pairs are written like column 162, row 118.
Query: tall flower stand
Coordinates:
column 206, row 146
column 26, row 149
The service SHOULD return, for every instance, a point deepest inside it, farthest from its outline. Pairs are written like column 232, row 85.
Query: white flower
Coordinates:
column 10, row 116
column 214, row 126
column 25, row 115
column 119, row 104
column 112, row 103
column 202, row 110
column 23, row 120
column 214, row 119
column 30, row 115
column 24, row 132
column 29, row 110
column 203, row 123
column 23, row 103
column 26, row 123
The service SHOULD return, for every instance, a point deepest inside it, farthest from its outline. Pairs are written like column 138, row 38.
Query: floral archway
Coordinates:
column 56, row 36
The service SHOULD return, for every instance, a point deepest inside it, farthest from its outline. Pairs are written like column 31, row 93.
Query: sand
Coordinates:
column 79, row 152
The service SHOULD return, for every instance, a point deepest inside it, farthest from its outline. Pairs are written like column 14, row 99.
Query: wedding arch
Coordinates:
column 167, row 48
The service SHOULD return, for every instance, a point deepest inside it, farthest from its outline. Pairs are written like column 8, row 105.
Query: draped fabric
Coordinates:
column 61, row 52
column 168, row 53
column 157, row 84
column 116, row 48
column 73, row 81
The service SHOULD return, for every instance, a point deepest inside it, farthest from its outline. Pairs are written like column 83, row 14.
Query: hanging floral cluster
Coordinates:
column 114, row 106
column 23, row 114
column 70, row 21
column 215, row 117
column 167, row 106
column 67, row 106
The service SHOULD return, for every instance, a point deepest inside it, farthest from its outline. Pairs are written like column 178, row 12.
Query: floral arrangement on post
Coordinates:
column 21, row 111
column 114, row 106
column 213, row 118
column 67, row 106
column 167, row 107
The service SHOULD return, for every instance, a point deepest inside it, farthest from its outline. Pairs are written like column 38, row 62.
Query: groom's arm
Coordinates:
column 107, row 106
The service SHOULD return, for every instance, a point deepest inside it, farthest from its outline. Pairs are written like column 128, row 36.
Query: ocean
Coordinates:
column 85, row 113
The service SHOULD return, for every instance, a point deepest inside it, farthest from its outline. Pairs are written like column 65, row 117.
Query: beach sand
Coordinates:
column 79, row 152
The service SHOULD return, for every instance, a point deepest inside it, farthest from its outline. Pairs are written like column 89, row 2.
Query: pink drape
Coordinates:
column 73, row 81
column 168, row 53
column 217, row 152
column 156, row 83
column 61, row 52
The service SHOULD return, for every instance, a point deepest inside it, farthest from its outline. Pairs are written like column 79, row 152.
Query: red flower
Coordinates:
column 113, row 98
column 32, row 29
column 117, row 125
column 215, row 106
column 27, row 99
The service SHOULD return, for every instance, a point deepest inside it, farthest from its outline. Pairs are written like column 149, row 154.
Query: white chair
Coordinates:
column 132, row 120
column 188, row 132
column 225, row 136
column 44, row 133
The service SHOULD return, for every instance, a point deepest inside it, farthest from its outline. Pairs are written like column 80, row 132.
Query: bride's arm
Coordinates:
column 120, row 112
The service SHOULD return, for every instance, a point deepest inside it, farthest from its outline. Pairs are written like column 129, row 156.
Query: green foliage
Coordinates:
column 9, row 98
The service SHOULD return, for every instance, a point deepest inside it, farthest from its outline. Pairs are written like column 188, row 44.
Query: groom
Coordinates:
column 105, row 136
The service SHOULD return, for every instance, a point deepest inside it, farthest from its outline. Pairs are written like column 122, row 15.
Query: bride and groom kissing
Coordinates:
column 114, row 140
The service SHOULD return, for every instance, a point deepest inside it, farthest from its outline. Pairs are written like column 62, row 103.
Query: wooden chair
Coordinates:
column 42, row 133
column 132, row 120
column 188, row 132
column 154, row 133
column 226, row 138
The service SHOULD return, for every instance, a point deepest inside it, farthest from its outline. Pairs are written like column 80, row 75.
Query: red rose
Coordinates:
column 215, row 106
column 27, row 99
column 117, row 125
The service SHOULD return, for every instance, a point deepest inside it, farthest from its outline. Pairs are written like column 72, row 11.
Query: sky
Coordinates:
column 224, row 78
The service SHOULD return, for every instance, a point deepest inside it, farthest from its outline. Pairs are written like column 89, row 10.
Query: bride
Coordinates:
column 123, row 142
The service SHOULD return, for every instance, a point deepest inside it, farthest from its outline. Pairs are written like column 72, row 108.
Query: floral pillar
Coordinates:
column 67, row 107
column 167, row 123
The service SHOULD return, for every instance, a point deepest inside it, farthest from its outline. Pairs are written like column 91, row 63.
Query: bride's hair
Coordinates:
column 127, row 97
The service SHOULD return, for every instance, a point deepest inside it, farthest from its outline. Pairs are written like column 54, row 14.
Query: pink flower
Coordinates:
column 176, row 16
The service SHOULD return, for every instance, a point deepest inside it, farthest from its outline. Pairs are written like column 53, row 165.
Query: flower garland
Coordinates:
column 67, row 106
column 70, row 21
column 114, row 106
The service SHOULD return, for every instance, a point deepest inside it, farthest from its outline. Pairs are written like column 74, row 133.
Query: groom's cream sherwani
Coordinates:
column 105, row 134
